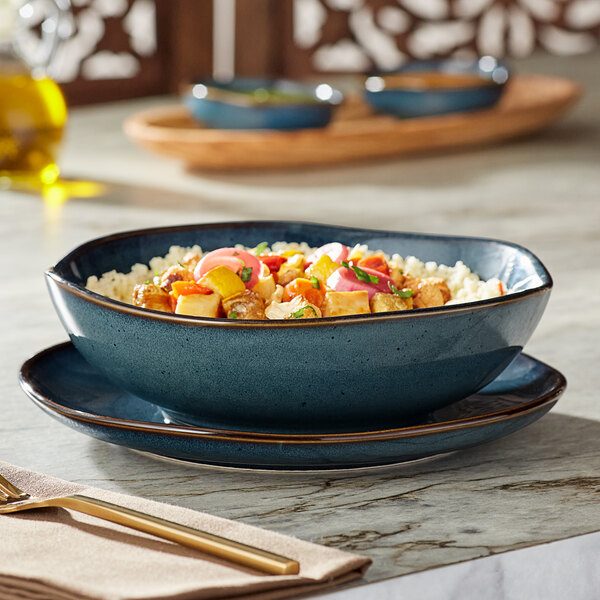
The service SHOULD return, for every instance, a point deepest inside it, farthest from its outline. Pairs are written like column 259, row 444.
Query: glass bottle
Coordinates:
column 33, row 111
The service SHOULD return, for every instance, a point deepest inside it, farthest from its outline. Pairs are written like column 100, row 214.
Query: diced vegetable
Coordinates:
column 345, row 303
column 186, row 288
column 305, row 288
column 265, row 287
column 336, row 251
column 273, row 261
column 346, row 280
column 242, row 263
column 224, row 281
column 389, row 302
column 376, row 262
column 323, row 268
column 198, row 305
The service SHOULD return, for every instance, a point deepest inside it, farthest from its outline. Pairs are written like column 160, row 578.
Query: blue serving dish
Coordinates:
column 428, row 88
column 64, row 385
column 261, row 104
column 371, row 370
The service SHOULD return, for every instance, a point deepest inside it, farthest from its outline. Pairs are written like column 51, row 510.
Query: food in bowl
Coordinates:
column 346, row 373
column 291, row 281
column 246, row 103
column 427, row 88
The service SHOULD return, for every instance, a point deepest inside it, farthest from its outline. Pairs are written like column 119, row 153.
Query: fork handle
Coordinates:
column 209, row 543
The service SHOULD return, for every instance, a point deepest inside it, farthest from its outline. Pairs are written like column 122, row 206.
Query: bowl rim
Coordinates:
column 469, row 67
column 216, row 92
column 123, row 308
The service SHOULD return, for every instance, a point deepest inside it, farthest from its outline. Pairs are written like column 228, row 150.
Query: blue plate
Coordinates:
column 261, row 104
column 395, row 94
column 64, row 385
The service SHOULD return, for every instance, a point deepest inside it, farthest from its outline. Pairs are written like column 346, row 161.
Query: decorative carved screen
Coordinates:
column 123, row 48
column 357, row 35
column 114, row 49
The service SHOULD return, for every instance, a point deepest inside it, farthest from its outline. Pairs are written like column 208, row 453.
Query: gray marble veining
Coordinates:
column 539, row 485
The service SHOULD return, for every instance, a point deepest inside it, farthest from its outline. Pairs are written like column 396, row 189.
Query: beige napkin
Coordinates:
column 58, row 554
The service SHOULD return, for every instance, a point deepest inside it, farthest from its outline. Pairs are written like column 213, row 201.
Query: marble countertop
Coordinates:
column 523, row 493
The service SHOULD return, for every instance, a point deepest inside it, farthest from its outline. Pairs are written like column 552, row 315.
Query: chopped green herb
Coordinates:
column 260, row 248
column 235, row 253
column 246, row 274
column 300, row 313
column 315, row 282
column 147, row 282
column 360, row 274
column 183, row 266
column 405, row 293
column 232, row 315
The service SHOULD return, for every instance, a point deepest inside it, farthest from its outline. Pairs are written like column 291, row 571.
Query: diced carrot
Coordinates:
column 186, row 288
column 376, row 262
column 306, row 289
column 501, row 288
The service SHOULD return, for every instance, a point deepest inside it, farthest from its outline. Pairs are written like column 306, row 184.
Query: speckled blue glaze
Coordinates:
column 70, row 390
column 409, row 103
column 225, row 113
column 308, row 375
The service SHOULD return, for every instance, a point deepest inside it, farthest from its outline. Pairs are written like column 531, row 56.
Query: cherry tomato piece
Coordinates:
column 273, row 261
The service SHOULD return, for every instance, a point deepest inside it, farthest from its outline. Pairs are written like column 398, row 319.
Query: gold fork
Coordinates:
column 12, row 499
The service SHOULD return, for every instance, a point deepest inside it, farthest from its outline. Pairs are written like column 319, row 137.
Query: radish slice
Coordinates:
column 337, row 253
column 232, row 258
column 345, row 280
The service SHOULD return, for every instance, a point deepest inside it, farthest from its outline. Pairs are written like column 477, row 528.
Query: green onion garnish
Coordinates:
column 246, row 274
column 405, row 293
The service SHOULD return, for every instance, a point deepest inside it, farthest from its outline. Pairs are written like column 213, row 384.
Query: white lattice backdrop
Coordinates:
column 355, row 35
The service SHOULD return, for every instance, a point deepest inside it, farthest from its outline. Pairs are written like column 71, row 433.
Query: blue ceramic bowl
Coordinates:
column 351, row 372
column 262, row 104
column 425, row 89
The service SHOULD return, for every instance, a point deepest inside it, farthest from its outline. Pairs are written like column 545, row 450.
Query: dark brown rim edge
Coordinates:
column 275, row 438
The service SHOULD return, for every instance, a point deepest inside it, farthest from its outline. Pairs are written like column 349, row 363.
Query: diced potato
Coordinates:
column 224, row 281
column 291, row 269
column 345, row 303
column 248, row 305
column 265, row 287
column 389, row 302
column 198, row 305
column 323, row 268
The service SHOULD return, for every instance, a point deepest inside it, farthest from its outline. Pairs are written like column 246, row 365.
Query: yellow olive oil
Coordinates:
column 33, row 113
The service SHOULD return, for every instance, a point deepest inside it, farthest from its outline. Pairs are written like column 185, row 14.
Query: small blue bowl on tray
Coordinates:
column 279, row 104
column 428, row 88
column 368, row 370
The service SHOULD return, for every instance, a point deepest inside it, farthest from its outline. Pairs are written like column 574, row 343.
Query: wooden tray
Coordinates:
column 530, row 103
